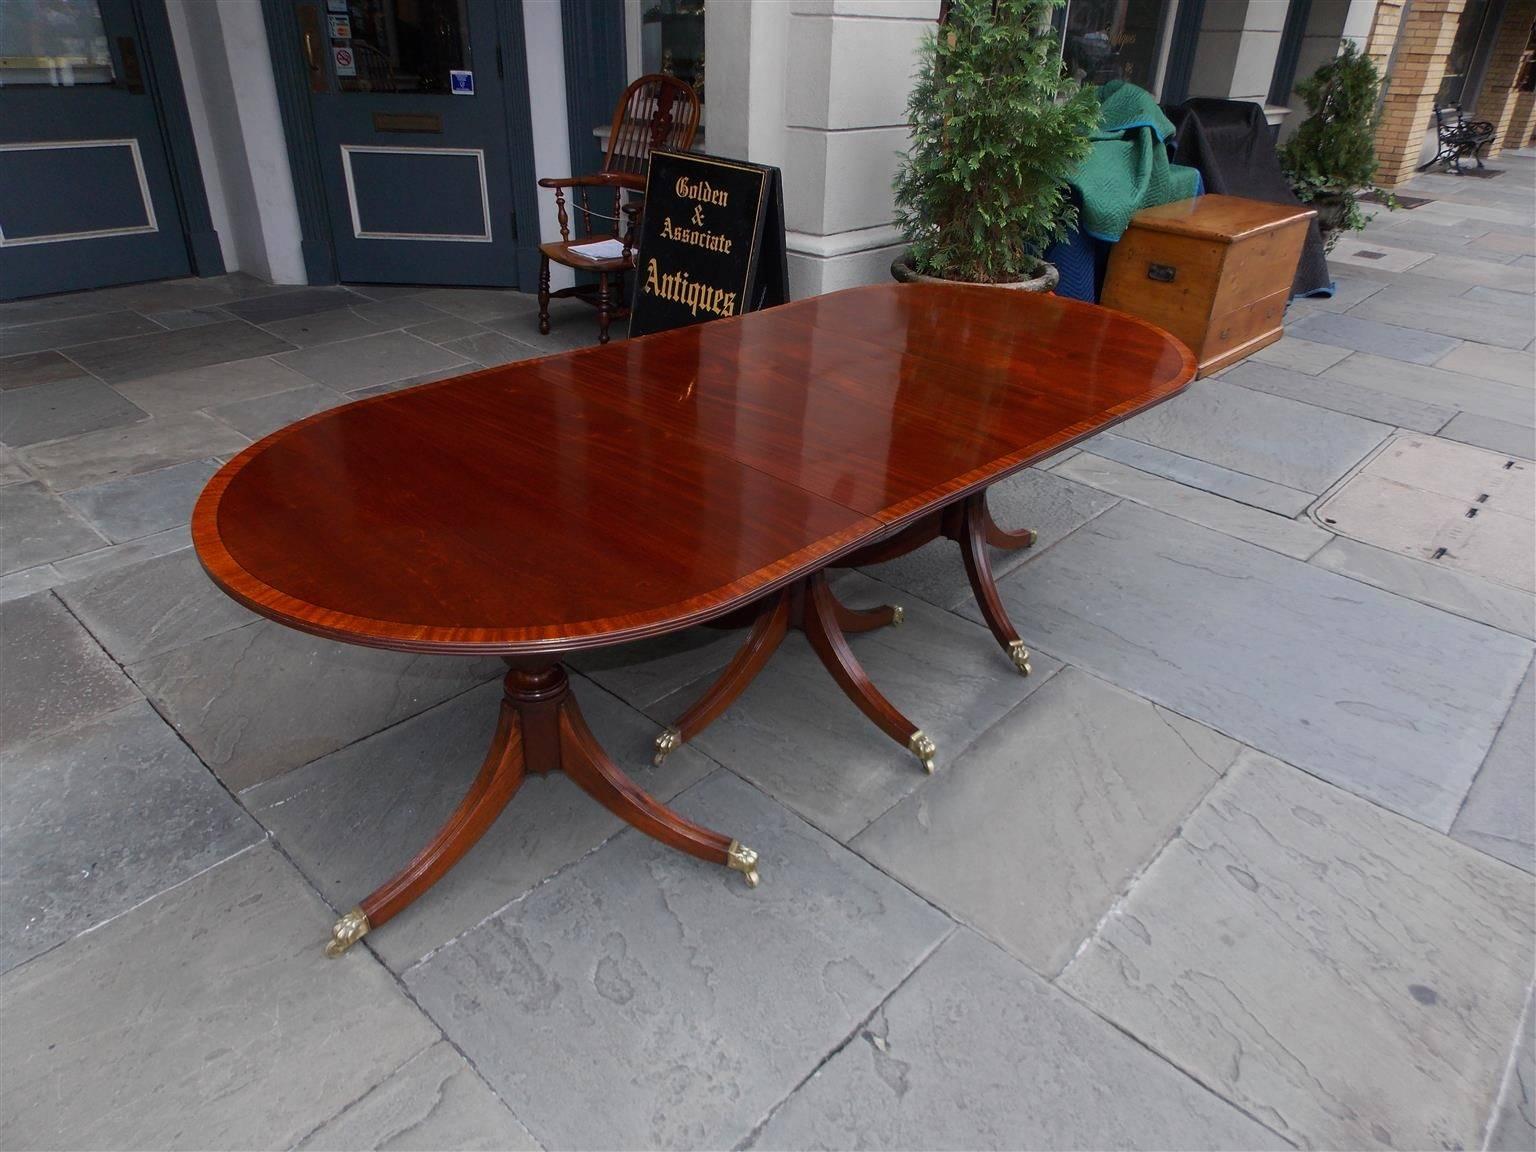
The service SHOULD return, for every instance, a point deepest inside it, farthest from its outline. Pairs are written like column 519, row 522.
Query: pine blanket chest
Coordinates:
column 1215, row 271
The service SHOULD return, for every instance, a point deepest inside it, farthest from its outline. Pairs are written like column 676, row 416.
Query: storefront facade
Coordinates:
column 400, row 141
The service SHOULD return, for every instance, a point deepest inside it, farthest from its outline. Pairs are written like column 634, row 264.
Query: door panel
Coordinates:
column 86, row 197
column 416, row 175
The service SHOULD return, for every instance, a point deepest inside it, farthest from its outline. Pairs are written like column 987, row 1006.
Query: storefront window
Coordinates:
column 1458, row 65
column 1106, row 40
column 672, row 40
column 59, row 43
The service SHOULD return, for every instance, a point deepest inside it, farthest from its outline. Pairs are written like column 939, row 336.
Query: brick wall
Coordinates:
column 1423, row 41
column 1510, row 111
column 1389, row 14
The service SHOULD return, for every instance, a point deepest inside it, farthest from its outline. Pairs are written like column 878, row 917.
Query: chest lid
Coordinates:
column 1222, row 219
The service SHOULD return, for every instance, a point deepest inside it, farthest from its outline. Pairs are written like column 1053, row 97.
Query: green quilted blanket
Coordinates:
column 1128, row 169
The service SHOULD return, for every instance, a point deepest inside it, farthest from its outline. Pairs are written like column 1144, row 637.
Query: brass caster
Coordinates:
column 898, row 614
column 347, row 931
column 1033, row 536
column 924, row 749
column 740, row 858
column 1020, row 656
column 665, row 743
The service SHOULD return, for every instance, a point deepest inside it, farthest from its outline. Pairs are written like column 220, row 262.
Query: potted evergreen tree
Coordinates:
column 997, row 127
column 1331, row 159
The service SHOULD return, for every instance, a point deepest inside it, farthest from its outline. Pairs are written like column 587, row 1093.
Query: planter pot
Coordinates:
column 1043, row 281
column 1331, row 209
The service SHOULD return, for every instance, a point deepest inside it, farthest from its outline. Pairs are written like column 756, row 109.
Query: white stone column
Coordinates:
column 819, row 88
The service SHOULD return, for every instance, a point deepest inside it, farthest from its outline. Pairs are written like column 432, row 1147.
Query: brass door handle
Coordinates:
column 309, row 37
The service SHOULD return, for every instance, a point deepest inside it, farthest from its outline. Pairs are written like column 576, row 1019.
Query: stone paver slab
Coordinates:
column 492, row 348
column 1345, row 976
column 38, row 368
column 114, row 453
column 687, row 1002
column 1339, row 395
column 67, row 332
column 11, row 471
column 350, row 819
column 1049, row 504
column 99, row 818
column 1465, row 270
column 1499, row 816
column 1270, row 437
column 1495, row 435
column 1300, row 355
column 145, row 504
column 795, row 735
column 192, row 388
column 323, row 327
column 206, row 1018
column 36, row 527
column 155, row 353
column 276, row 307
column 1497, row 605
column 1459, row 318
column 89, row 564
column 1369, row 254
column 1514, row 1123
column 1207, row 477
column 1361, row 335
column 1387, row 698
column 63, row 408
column 256, row 701
column 55, row 675
column 975, row 1051
column 1043, row 821
column 1506, row 365
column 371, row 360
column 1436, row 387
column 152, row 606
column 261, row 415
column 434, row 1101
column 27, row 582
column 1289, row 537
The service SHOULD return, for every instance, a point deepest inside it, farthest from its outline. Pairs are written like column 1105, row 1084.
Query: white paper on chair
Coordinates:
column 600, row 250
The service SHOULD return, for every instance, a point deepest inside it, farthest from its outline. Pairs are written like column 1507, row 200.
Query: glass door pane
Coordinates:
column 55, row 43
column 401, row 46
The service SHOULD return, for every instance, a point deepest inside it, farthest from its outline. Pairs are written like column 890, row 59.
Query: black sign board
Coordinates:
column 711, row 243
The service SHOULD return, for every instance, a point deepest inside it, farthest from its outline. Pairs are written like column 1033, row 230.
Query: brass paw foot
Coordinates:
column 347, row 931
column 740, row 858
column 1020, row 656
column 924, row 749
column 898, row 614
column 665, row 743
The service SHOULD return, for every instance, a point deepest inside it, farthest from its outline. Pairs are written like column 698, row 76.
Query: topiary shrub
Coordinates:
column 1331, row 158
column 996, row 129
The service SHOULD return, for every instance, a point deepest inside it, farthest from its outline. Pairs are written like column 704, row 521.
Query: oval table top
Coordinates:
column 627, row 490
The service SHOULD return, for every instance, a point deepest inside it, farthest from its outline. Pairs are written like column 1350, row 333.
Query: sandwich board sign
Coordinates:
column 711, row 242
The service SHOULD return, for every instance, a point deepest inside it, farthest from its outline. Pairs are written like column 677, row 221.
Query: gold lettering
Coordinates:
column 702, row 191
column 679, row 289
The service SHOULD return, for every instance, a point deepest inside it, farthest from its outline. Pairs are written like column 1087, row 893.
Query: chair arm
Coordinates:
column 594, row 180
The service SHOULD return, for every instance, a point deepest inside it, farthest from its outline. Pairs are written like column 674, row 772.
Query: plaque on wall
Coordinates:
column 711, row 242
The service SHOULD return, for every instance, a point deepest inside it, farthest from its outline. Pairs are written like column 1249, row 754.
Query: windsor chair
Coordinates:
column 655, row 112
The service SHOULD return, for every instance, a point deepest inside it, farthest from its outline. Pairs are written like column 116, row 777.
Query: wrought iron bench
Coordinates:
column 1458, row 137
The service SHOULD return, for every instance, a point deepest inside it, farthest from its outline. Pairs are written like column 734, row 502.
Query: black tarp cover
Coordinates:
column 1229, row 141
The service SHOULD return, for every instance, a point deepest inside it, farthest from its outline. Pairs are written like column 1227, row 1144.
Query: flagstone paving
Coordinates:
column 1247, row 862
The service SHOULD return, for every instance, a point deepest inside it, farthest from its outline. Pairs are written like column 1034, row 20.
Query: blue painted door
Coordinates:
column 411, row 125
column 86, row 197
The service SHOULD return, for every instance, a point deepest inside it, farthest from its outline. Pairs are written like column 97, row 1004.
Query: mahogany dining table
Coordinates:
column 710, row 474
